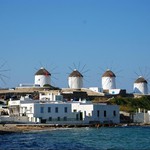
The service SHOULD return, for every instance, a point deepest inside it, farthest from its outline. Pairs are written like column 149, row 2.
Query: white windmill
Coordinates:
column 42, row 77
column 140, row 86
column 75, row 80
column 108, row 80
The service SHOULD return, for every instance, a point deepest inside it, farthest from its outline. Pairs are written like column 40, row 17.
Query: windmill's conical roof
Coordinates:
column 42, row 71
column 75, row 73
column 140, row 80
column 108, row 73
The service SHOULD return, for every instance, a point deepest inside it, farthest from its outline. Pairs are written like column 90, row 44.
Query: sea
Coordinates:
column 103, row 138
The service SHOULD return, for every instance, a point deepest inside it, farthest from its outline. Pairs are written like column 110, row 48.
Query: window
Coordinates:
column 30, row 109
column 105, row 113
column 77, row 117
column 56, row 109
column 97, row 113
column 42, row 109
column 58, row 118
column 50, row 118
column 65, row 109
column 65, row 118
column 49, row 109
column 21, row 109
column 81, row 115
column 25, row 109
column 114, row 113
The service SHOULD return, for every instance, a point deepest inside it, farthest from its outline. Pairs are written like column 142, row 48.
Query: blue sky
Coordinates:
column 57, row 34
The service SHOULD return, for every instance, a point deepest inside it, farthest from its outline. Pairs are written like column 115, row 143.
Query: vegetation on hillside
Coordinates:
column 132, row 104
column 50, row 87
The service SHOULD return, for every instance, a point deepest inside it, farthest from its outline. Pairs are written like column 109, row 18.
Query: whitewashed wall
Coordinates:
column 140, row 88
column 88, row 111
column 141, row 118
column 108, row 83
column 109, row 113
column 42, row 80
column 75, row 82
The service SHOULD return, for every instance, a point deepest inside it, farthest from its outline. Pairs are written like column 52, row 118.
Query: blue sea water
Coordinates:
column 104, row 138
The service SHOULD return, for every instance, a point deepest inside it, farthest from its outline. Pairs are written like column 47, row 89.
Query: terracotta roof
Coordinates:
column 42, row 71
column 108, row 73
column 140, row 80
column 75, row 73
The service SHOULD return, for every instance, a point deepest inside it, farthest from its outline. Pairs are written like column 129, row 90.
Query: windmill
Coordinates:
column 44, row 77
column 140, row 85
column 4, row 74
column 108, row 79
column 75, row 78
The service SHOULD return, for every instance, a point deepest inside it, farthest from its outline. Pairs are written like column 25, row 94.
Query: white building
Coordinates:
column 51, row 96
column 114, row 91
column 95, row 89
column 42, row 77
column 60, row 112
column 108, row 80
column 141, row 116
column 75, row 80
column 28, row 86
column 140, row 86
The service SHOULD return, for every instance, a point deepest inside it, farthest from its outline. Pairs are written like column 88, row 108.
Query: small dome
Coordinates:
column 140, row 80
column 108, row 73
column 75, row 73
column 42, row 71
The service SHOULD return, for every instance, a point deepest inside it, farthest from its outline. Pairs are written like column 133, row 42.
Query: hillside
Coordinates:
column 131, row 104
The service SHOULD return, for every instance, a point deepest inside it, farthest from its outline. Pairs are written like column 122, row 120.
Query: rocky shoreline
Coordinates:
column 20, row 128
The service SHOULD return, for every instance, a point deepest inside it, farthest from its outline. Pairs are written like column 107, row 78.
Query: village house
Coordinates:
column 63, row 112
